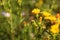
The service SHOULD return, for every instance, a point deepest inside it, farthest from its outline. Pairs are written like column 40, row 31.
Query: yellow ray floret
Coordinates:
column 45, row 13
column 52, row 18
column 36, row 11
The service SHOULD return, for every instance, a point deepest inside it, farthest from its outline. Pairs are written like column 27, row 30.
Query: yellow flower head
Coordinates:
column 45, row 13
column 52, row 18
column 36, row 11
column 54, row 28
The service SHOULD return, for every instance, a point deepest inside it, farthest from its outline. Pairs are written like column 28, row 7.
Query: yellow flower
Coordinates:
column 36, row 11
column 45, row 13
column 54, row 28
column 52, row 18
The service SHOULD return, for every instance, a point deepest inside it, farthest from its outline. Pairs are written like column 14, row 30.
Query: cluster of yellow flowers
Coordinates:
column 47, row 15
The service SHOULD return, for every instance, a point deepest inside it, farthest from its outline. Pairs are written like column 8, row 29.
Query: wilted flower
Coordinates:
column 23, row 14
column 31, row 18
column 6, row 14
column 25, row 23
column 36, row 11
column 57, row 15
column 40, row 19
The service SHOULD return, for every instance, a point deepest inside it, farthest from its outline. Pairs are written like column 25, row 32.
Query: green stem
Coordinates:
column 37, row 16
column 12, row 35
column 54, row 37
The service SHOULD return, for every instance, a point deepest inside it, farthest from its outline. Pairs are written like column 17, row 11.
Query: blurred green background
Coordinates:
column 15, row 19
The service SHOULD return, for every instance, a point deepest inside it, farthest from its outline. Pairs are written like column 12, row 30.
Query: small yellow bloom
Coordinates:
column 45, row 13
column 36, row 11
column 52, row 18
column 54, row 28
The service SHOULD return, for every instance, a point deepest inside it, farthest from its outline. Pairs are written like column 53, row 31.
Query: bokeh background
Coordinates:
column 29, row 19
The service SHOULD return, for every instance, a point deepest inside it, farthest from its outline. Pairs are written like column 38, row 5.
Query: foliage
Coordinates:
column 29, row 20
